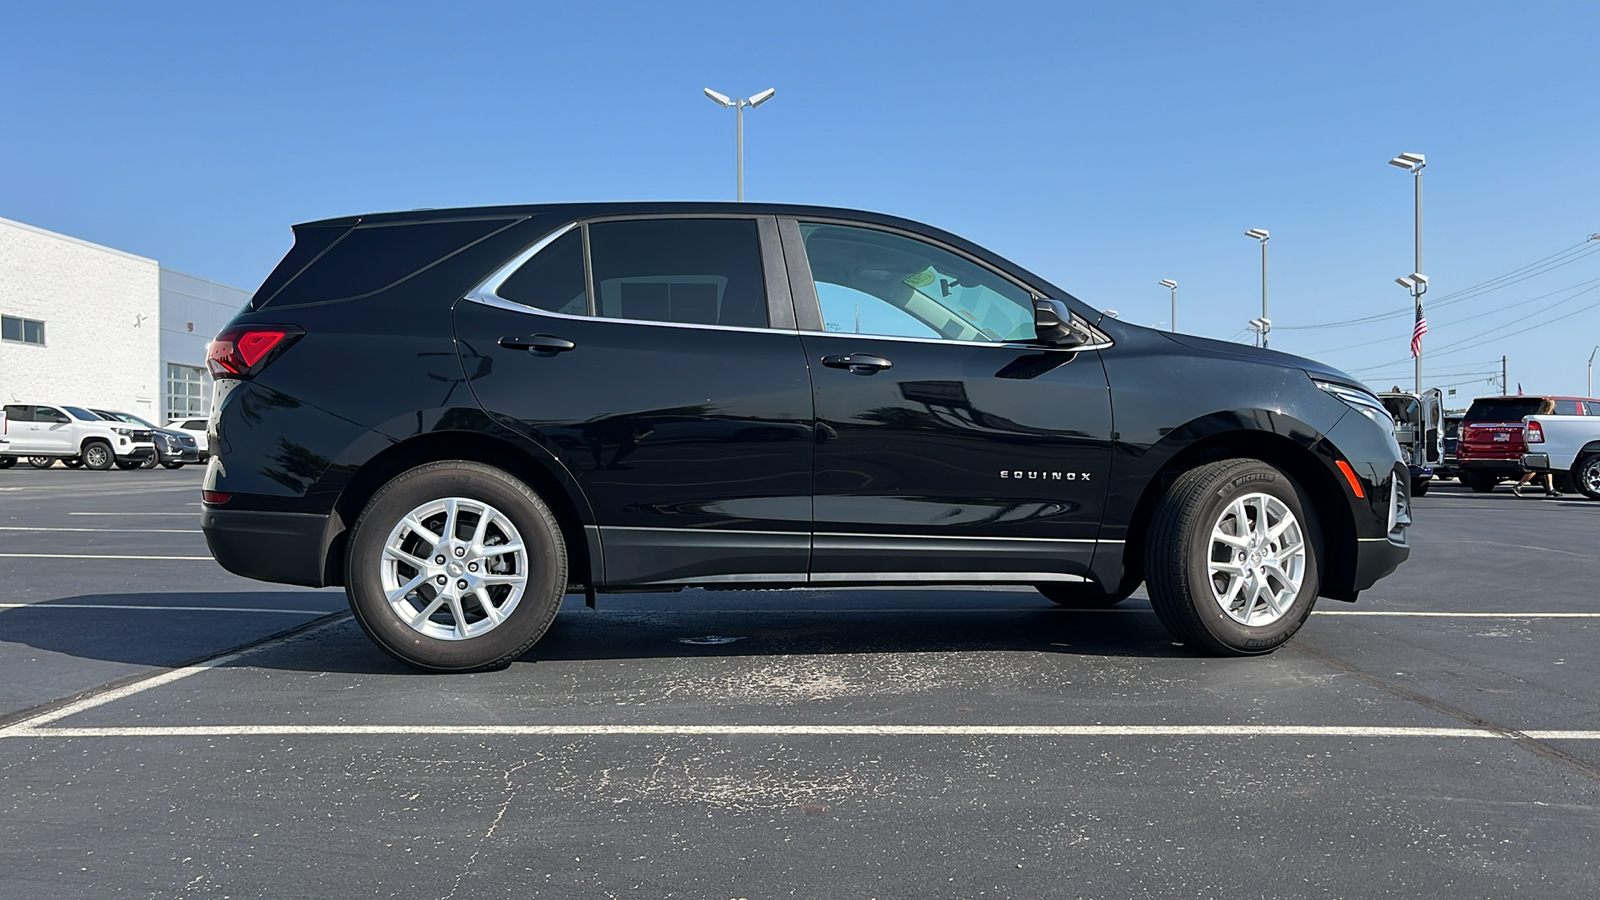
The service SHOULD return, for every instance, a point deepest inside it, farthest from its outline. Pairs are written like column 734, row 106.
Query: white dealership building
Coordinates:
column 87, row 325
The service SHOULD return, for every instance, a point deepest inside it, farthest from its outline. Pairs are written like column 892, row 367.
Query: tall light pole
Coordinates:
column 1261, row 235
column 1169, row 284
column 738, row 105
column 1415, row 163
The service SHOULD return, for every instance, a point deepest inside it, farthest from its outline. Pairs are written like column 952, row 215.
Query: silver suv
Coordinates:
column 48, row 432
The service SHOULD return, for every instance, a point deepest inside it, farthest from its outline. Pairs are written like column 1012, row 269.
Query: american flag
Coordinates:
column 1417, row 331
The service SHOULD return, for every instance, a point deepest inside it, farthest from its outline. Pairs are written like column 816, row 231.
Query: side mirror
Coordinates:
column 1056, row 325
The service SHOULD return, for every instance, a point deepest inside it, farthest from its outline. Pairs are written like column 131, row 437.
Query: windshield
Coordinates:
column 123, row 417
column 1504, row 409
column 80, row 413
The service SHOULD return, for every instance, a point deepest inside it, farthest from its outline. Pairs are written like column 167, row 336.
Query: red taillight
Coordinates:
column 1534, row 433
column 215, row 496
column 244, row 350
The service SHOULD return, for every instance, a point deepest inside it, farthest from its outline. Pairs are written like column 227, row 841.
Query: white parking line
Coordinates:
column 89, row 556
column 32, row 730
column 189, row 514
column 100, row 530
column 47, row 605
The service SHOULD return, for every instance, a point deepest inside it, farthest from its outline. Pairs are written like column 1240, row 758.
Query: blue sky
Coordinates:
column 1106, row 146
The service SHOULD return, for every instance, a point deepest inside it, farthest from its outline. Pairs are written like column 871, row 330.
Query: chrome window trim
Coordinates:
column 486, row 290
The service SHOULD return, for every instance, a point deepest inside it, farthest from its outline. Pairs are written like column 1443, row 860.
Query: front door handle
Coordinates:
column 859, row 363
column 539, row 343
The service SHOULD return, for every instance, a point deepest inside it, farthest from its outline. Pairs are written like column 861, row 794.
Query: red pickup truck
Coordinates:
column 1490, row 447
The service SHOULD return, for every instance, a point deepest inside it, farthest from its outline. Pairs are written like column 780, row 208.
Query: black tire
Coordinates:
column 1419, row 486
column 150, row 461
column 73, row 463
column 1479, row 482
column 171, row 465
column 1178, row 554
column 7, row 462
column 1083, row 596
column 41, row 462
column 546, row 567
column 128, row 465
column 1586, row 476
column 97, row 455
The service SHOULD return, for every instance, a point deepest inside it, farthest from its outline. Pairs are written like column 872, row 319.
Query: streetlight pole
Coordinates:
column 1169, row 284
column 738, row 105
column 1261, row 235
column 1591, row 371
column 1415, row 163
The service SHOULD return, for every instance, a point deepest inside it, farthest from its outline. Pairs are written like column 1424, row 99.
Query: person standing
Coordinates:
column 1546, row 407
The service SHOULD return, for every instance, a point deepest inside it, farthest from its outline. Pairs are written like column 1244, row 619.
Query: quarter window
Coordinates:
column 23, row 331
column 690, row 271
column 1567, row 408
column 552, row 280
column 874, row 282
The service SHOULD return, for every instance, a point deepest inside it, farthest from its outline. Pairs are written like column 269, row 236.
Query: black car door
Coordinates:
column 947, row 447
column 657, row 360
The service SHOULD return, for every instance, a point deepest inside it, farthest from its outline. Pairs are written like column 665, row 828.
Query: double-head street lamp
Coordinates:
column 738, row 105
column 1169, row 284
column 1418, row 284
column 1261, row 326
column 1261, row 235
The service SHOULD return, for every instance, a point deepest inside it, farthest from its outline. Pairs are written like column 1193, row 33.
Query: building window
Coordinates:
column 23, row 331
column 186, row 391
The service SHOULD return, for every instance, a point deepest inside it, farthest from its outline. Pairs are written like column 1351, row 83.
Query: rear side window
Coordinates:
column 19, row 413
column 373, row 257
column 1567, row 408
column 691, row 271
column 553, row 279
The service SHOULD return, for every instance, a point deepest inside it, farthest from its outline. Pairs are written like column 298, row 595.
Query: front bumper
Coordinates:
column 135, row 454
column 281, row 547
column 181, row 455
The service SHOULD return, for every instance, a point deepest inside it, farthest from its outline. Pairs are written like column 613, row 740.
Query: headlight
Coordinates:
column 1362, row 402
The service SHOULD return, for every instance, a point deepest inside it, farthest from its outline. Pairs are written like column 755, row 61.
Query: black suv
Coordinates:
column 462, row 415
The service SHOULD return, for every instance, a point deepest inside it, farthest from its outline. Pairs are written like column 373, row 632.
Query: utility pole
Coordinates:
column 1504, row 385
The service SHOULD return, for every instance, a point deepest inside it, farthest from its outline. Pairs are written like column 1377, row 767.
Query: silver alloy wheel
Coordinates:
column 454, row 568
column 1257, row 559
column 1590, row 475
column 97, row 456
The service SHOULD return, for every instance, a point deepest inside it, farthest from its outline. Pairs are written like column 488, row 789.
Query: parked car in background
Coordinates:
column 1449, row 467
column 5, row 442
column 174, row 448
column 651, row 396
column 195, row 427
column 1490, row 448
column 1567, row 445
column 47, row 432
column 1419, row 430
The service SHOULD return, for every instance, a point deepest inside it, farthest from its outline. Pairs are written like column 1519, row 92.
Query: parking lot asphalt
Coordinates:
column 1439, row 738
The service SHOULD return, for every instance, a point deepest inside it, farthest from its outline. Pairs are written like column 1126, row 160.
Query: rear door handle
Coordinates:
column 539, row 343
column 859, row 363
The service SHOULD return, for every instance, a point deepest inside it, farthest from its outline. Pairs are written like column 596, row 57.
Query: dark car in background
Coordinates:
column 1452, row 434
column 1490, row 447
column 462, row 415
column 174, row 449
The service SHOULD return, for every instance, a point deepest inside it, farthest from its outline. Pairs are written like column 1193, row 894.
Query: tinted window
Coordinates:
column 82, row 414
column 552, row 279
column 52, row 416
column 694, row 271
column 308, row 242
column 1504, row 409
column 1567, row 408
column 18, row 413
column 873, row 282
column 374, row 257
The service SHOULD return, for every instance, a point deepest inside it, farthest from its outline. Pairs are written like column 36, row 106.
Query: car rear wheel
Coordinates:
column 1586, row 476
column 41, row 462
column 1419, row 486
column 128, row 465
column 7, row 462
column 1231, row 562
column 97, row 455
column 1083, row 596
column 171, row 465
column 73, row 463
column 1479, row 482
column 455, row 566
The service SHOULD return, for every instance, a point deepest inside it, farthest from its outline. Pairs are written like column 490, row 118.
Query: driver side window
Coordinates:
column 874, row 282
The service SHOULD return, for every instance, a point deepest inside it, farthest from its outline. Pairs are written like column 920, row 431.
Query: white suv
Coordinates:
column 50, row 431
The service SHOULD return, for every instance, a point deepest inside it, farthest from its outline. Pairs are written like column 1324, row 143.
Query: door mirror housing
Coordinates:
column 1058, row 326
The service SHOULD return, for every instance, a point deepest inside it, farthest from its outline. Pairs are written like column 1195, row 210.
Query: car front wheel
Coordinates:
column 455, row 566
column 1231, row 562
column 98, row 455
